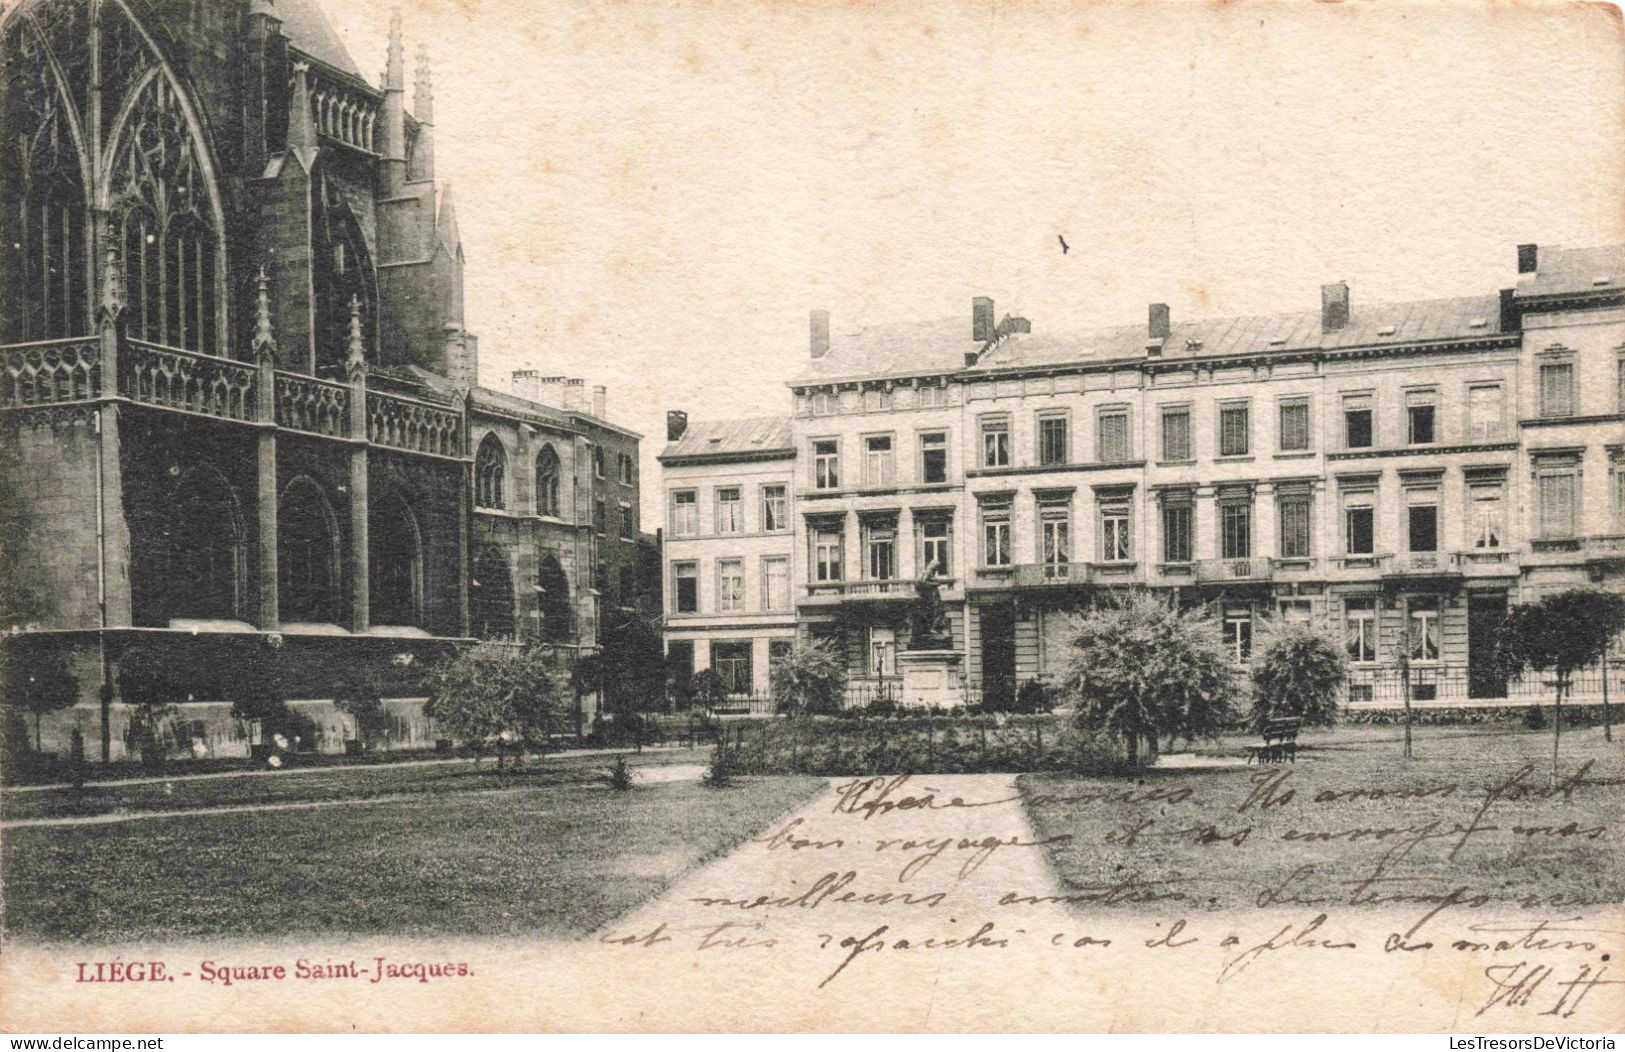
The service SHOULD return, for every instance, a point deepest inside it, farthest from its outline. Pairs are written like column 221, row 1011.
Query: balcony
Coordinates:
column 1226, row 571
column 1604, row 554
column 1420, row 564
column 1487, row 562
column 1361, row 567
column 825, row 593
column 1051, row 575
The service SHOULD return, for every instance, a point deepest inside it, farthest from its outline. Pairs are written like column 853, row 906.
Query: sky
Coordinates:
column 653, row 195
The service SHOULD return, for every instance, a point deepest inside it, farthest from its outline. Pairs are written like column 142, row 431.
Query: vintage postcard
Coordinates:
column 895, row 516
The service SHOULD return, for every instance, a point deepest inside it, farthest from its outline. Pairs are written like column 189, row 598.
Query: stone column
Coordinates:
column 1205, row 524
column 1266, row 522
column 264, row 347
column 355, row 368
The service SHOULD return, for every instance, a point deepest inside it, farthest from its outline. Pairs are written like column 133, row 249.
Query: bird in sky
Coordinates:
column 1065, row 248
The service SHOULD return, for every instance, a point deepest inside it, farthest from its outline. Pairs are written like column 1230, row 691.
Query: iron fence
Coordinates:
column 1460, row 685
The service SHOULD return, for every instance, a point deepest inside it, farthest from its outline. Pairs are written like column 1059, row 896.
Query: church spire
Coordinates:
column 423, row 89
column 301, row 125
column 446, row 232
column 392, row 139
column 112, row 304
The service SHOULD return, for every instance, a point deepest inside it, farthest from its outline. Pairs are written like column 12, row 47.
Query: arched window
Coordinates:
column 394, row 563
column 490, row 465
column 307, row 554
column 344, row 271
column 44, row 255
column 491, row 609
column 547, row 482
column 199, row 570
column 553, row 596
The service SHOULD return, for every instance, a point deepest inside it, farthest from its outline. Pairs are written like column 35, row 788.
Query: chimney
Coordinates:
column 981, row 319
column 1528, row 259
column 820, row 333
column 1157, row 325
column 1334, row 306
column 600, row 401
column 1511, row 317
column 527, row 384
column 676, row 424
column 574, row 396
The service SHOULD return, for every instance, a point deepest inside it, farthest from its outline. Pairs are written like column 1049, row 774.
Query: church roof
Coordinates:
column 309, row 30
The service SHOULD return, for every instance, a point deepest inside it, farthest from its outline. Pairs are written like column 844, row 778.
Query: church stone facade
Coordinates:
column 239, row 402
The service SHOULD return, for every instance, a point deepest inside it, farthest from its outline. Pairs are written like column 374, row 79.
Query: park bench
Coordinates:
column 1280, row 741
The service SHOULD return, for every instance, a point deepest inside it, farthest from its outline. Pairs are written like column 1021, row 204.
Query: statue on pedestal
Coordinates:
column 927, row 617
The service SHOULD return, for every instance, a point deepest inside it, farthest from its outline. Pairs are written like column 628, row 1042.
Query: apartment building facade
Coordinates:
column 729, row 560
column 1396, row 473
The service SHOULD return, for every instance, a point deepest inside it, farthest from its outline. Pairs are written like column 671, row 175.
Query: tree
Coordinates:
column 707, row 689
column 1141, row 668
column 1298, row 672
column 810, row 679
column 360, row 696
column 152, row 687
column 1559, row 634
column 38, row 682
column 632, row 666
column 256, row 687
column 507, row 701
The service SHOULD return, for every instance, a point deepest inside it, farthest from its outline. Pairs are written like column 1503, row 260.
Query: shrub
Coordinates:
column 810, row 679
column 256, row 691
column 507, row 701
column 360, row 697
column 720, row 774
column 1534, row 718
column 153, row 687
column 38, row 682
column 620, row 775
column 1298, row 672
column 707, row 690
column 1033, row 697
column 1142, row 668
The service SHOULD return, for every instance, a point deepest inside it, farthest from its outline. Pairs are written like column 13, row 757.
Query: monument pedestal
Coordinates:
column 931, row 678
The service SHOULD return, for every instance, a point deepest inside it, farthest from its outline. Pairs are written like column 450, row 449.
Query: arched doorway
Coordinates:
column 395, row 563
column 307, row 554
column 491, row 606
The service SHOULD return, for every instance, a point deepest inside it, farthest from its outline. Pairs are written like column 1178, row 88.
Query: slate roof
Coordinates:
column 896, row 349
column 309, row 30
column 1374, row 325
column 1562, row 270
column 752, row 435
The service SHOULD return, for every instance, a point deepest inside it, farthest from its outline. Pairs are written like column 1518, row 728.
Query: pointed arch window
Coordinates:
column 394, row 563
column 547, row 482
column 192, row 566
column 491, row 608
column 307, row 554
column 553, row 601
column 490, row 470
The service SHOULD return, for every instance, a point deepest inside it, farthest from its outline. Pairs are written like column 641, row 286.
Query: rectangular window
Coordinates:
column 1360, row 628
column 600, row 516
column 629, row 523
column 1485, row 412
column 826, row 464
column 1422, row 639
column 1235, row 434
column 935, row 545
column 828, row 554
column 1557, row 389
column 775, row 510
column 1488, row 517
column 731, row 660
column 685, row 513
column 1555, row 494
column 1176, row 433
column 730, row 585
column 1359, row 527
column 1357, row 426
column 1116, row 525
column 1055, row 538
column 1112, row 425
column 995, row 443
column 628, row 473
column 1420, row 413
column 931, row 397
column 1238, row 633
column 1422, row 524
column 933, row 456
column 1296, row 611
column 823, row 404
column 876, row 399
column 1294, row 435
column 730, row 510
column 1054, row 440
column 878, row 465
column 1295, row 531
column 880, row 552
column 775, row 584
column 1176, row 531
column 1235, row 530
column 995, row 535
column 685, row 587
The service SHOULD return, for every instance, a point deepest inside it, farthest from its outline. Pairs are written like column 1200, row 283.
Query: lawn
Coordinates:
column 1357, row 809
column 541, row 854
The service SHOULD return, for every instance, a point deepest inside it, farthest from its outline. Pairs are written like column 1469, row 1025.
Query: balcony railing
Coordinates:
column 1454, row 684
column 320, row 407
column 1253, row 568
column 50, row 372
column 889, row 589
column 1044, row 575
column 1420, row 564
column 418, row 427
column 189, row 381
column 1487, row 562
